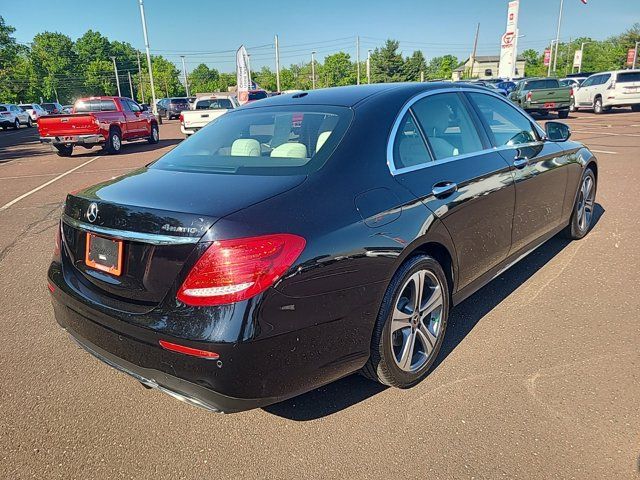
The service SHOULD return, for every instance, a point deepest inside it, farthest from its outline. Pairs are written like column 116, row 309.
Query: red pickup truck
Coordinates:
column 106, row 121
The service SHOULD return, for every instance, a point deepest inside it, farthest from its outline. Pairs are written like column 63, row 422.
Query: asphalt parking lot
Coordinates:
column 539, row 376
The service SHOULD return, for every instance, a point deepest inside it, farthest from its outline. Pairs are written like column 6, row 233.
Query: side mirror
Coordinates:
column 144, row 108
column 557, row 132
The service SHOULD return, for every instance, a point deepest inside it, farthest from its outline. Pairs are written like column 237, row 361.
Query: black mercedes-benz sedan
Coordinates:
column 305, row 237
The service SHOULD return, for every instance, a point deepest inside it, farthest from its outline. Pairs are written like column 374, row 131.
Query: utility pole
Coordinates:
column 549, row 71
column 475, row 49
column 184, row 72
column 130, row 85
column 635, row 56
column 581, row 56
column 555, row 56
column 277, row 64
column 115, row 69
column 369, row 66
column 358, row 60
column 140, row 76
column 146, row 44
column 313, row 69
column 566, row 65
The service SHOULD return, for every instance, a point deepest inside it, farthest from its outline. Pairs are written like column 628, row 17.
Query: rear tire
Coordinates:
column 563, row 113
column 597, row 106
column 64, row 150
column 16, row 124
column 114, row 142
column 582, row 214
column 168, row 115
column 29, row 122
column 407, row 339
column 155, row 134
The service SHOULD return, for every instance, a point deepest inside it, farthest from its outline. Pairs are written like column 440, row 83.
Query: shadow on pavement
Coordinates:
column 354, row 389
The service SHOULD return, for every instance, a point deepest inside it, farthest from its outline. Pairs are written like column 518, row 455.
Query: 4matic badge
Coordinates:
column 170, row 228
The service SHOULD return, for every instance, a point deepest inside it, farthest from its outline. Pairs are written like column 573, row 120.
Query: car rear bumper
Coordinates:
column 92, row 139
column 621, row 101
column 188, row 131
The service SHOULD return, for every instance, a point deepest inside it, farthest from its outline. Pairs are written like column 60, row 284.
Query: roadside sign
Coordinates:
column 577, row 59
column 509, row 41
column 547, row 57
column 243, row 74
column 631, row 54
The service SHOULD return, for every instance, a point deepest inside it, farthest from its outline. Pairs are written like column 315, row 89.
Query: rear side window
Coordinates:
column 409, row 148
column 262, row 141
column 179, row 101
column 3, row 108
column 257, row 95
column 507, row 125
column 604, row 78
column 448, row 126
column 83, row 106
column 628, row 77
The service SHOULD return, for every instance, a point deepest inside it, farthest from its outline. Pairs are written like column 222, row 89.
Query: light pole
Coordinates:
column 184, row 72
column 369, row 66
column 115, row 69
column 146, row 44
column 582, row 55
column 358, row 60
column 635, row 56
column 555, row 56
column 277, row 63
column 549, row 71
column 313, row 69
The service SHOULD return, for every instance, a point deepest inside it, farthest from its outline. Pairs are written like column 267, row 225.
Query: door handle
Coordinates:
column 520, row 162
column 444, row 189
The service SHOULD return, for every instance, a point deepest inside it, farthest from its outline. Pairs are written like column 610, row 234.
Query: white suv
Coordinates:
column 13, row 116
column 602, row 91
column 34, row 110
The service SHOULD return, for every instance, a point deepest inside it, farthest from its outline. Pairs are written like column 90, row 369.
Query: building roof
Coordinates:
column 484, row 59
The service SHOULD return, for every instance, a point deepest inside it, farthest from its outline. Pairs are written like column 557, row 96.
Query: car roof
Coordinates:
column 352, row 95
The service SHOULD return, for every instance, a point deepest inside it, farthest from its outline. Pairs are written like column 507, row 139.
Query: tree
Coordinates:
column 204, row 79
column 100, row 78
column 55, row 62
column 265, row 78
column 533, row 63
column 92, row 46
column 441, row 68
column 338, row 70
column 414, row 66
column 387, row 63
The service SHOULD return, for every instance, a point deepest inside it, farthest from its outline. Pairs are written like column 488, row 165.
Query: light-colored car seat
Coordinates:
column 245, row 147
column 290, row 150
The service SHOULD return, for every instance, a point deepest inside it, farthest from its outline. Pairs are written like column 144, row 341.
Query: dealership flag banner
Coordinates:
column 631, row 54
column 577, row 59
column 242, row 72
column 547, row 57
column 508, row 43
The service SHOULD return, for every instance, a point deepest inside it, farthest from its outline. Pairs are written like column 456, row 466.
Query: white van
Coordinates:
column 601, row 91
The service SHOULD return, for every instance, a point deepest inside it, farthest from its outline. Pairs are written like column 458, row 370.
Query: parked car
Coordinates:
column 542, row 95
column 34, row 110
column 573, row 82
column 491, row 86
column 506, row 85
column 106, row 121
column 53, row 108
column 67, row 109
column 261, row 260
column 13, row 116
column 257, row 95
column 205, row 110
column 602, row 91
column 170, row 108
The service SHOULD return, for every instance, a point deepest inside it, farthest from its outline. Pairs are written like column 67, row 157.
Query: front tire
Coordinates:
column 411, row 324
column 154, row 137
column 114, row 142
column 582, row 214
column 597, row 106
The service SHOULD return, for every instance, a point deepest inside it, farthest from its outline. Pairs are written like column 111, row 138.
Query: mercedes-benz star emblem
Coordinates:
column 92, row 212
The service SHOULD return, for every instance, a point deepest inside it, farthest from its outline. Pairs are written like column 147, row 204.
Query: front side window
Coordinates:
column 409, row 148
column 588, row 82
column 263, row 141
column 507, row 125
column 447, row 124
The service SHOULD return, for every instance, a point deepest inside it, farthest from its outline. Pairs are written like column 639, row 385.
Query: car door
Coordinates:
column 131, row 120
column 442, row 155
column 141, row 124
column 584, row 95
column 538, row 167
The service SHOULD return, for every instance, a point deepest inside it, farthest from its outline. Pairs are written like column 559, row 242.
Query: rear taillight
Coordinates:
column 235, row 270
column 528, row 96
column 181, row 118
column 571, row 92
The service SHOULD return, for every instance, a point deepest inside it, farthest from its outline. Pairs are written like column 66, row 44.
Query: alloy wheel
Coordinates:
column 585, row 203
column 116, row 143
column 416, row 321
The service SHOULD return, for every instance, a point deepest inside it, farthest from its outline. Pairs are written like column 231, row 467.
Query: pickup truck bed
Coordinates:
column 106, row 121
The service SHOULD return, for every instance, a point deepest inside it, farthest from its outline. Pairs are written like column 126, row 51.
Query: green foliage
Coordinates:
column 414, row 66
column 54, row 61
column 336, row 71
column 440, row 68
column 204, row 79
column 387, row 63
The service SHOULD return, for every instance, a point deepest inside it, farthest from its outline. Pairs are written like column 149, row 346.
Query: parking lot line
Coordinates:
column 46, row 184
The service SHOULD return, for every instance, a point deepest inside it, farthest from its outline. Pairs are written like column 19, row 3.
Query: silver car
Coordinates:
column 13, row 116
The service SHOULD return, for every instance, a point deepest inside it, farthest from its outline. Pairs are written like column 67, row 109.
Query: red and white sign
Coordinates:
column 509, row 42
column 547, row 57
column 631, row 55
column 577, row 59
column 243, row 75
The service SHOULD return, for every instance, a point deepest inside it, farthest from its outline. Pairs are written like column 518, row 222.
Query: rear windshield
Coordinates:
column 49, row 106
column 262, row 141
column 179, row 101
column 25, row 107
column 257, row 95
column 83, row 106
column 214, row 104
column 540, row 84
column 628, row 77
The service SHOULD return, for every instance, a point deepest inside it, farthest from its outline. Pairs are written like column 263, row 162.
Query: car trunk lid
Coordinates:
column 159, row 216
